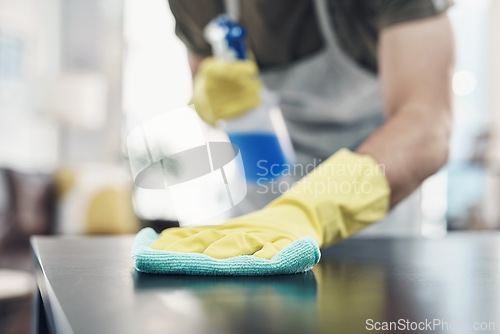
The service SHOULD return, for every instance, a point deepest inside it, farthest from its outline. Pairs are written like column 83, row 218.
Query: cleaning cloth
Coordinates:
column 299, row 256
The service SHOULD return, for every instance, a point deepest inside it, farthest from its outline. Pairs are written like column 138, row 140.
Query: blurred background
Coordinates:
column 76, row 76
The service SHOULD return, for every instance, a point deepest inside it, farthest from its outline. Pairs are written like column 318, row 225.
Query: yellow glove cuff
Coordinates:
column 344, row 194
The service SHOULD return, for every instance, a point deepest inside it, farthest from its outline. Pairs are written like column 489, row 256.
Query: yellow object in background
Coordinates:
column 65, row 180
column 110, row 212
column 343, row 195
column 95, row 199
column 224, row 90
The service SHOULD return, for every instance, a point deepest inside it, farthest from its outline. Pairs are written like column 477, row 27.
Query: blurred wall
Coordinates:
column 157, row 79
column 61, row 116
column 29, row 55
column 491, row 210
column 48, row 51
column 475, row 85
column 91, row 47
column 463, row 194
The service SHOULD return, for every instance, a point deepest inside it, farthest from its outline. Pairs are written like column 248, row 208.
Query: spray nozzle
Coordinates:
column 227, row 38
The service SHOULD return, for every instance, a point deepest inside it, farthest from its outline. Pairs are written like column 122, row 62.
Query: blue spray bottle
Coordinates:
column 260, row 133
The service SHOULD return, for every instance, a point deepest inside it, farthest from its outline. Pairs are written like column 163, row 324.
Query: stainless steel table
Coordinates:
column 89, row 285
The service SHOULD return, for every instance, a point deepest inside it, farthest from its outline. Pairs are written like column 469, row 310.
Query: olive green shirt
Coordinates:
column 283, row 31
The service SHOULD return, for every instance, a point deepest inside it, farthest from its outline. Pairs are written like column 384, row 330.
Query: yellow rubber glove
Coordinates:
column 343, row 195
column 223, row 90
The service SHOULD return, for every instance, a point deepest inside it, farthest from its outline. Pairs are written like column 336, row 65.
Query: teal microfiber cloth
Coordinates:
column 297, row 257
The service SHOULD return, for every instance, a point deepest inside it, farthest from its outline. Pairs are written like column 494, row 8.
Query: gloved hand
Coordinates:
column 343, row 195
column 223, row 90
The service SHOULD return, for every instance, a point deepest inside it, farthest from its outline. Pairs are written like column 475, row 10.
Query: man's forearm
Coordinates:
column 416, row 61
column 412, row 145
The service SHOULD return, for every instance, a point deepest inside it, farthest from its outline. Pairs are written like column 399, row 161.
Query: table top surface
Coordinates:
column 90, row 286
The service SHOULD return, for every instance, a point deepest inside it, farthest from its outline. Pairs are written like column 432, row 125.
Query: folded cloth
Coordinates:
column 297, row 257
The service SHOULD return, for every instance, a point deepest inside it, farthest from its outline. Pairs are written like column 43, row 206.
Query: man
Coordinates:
column 371, row 76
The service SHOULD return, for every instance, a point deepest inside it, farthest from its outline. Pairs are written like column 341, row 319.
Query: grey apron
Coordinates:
column 329, row 102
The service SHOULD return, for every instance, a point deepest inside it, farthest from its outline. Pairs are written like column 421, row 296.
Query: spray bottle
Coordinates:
column 260, row 133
